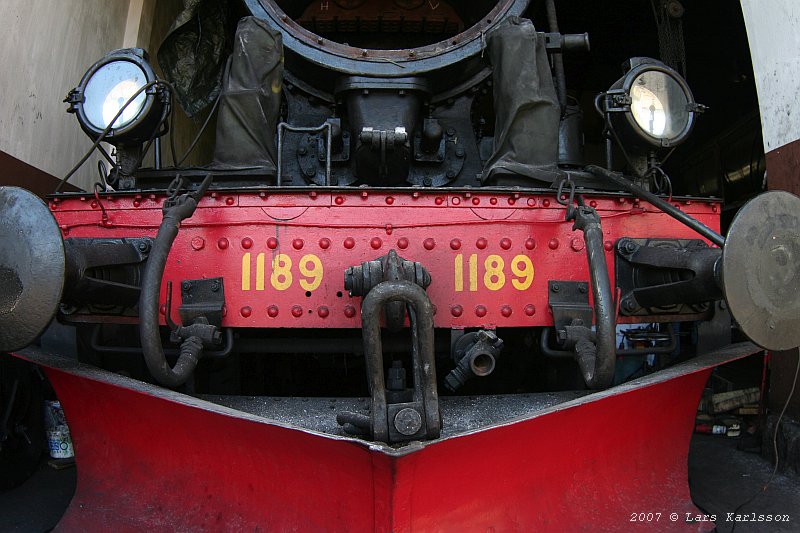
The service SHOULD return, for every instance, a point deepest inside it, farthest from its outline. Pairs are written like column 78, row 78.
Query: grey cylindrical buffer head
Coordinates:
column 761, row 270
column 31, row 267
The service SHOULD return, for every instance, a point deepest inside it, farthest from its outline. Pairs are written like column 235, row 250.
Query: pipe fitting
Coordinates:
column 476, row 356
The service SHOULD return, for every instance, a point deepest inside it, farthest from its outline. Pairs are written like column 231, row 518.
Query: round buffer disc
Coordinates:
column 31, row 267
column 761, row 270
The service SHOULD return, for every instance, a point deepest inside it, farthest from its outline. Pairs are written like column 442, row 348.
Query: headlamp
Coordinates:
column 121, row 85
column 651, row 105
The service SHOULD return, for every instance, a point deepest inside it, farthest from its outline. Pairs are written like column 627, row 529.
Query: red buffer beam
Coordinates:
column 283, row 255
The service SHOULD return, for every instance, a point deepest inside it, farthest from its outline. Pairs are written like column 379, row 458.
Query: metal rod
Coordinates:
column 547, row 351
column 660, row 203
column 558, row 58
column 157, row 153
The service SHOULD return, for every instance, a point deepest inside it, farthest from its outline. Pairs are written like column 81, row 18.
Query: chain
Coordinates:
column 571, row 200
column 669, row 21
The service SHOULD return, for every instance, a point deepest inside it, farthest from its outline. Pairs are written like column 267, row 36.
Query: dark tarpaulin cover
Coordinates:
column 527, row 111
column 193, row 55
column 249, row 106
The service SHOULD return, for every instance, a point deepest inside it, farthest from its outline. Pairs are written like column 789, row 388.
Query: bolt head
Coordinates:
column 408, row 421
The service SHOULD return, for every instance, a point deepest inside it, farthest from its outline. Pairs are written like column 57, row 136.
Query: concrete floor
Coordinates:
column 37, row 505
column 720, row 476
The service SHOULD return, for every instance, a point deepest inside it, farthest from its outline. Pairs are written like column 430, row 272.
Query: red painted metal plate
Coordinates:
column 152, row 459
column 283, row 255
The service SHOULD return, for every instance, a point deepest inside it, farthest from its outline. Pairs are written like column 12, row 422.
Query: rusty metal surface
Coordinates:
column 460, row 414
column 31, row 267
column 383, row 16
column 352, row 60
column 761, row 270
column 582, row 465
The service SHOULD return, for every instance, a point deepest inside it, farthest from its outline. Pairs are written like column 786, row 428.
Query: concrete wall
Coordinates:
column 772, row 29
column 45, row 47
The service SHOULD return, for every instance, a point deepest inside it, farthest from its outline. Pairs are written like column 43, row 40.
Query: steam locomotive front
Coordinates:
column 398, row 189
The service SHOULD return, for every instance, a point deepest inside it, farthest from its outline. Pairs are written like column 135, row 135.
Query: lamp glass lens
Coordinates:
column 659, row 104
column 109, row 89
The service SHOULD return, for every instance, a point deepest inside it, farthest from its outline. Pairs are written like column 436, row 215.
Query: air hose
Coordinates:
column 175, row 210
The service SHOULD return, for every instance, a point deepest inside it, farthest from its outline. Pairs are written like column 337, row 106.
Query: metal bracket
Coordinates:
column 74, row 97
column 339, row 152
column 326, row 127
column 569, row 301
column 202, row 298
column 696, row 108
column 617, row 101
